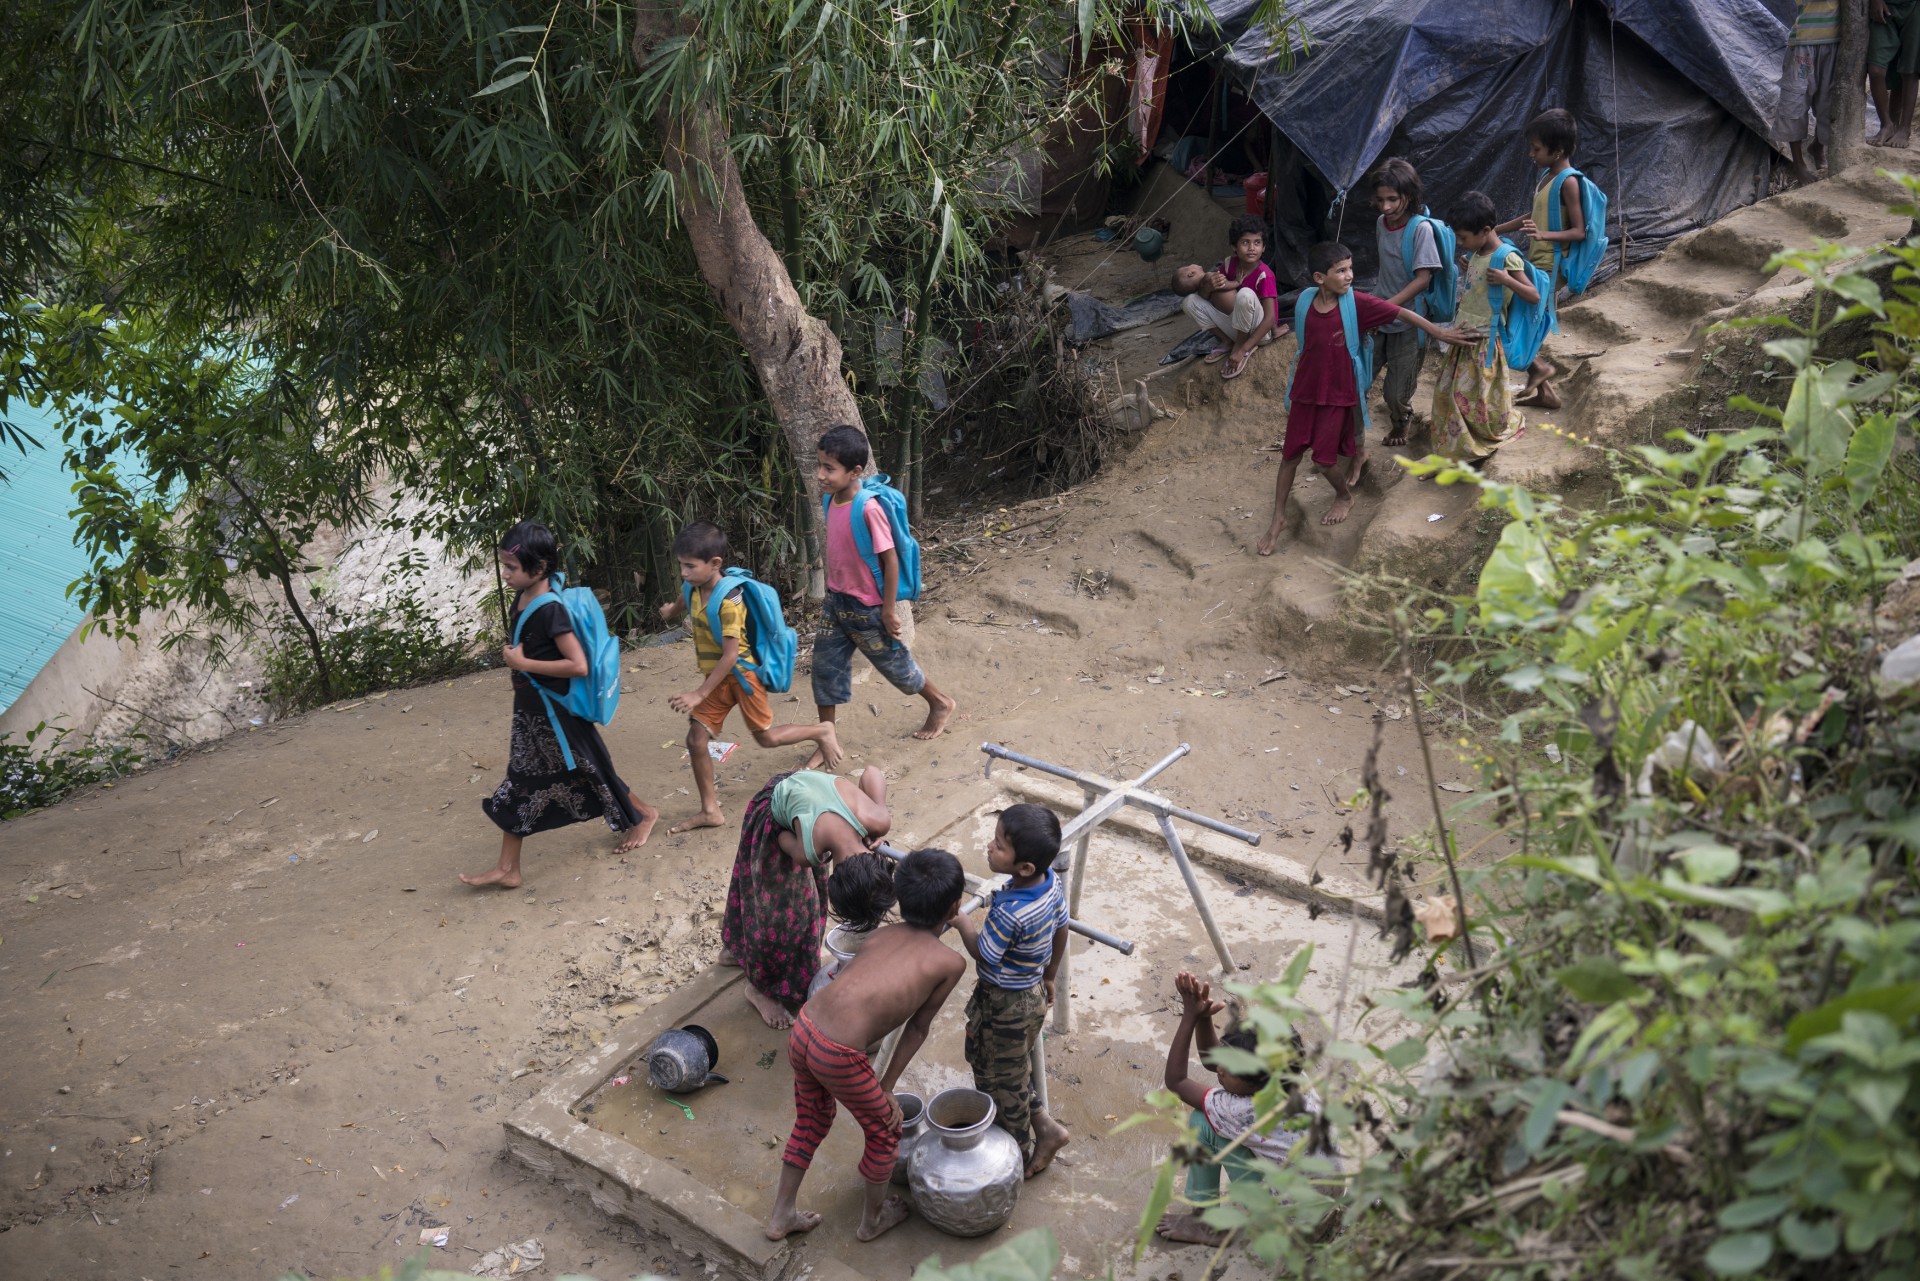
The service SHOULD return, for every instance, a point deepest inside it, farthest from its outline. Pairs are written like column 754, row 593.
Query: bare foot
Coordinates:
column 782, row 1226
column 1897, row 140
column 498, row 877
column 1051, row 1136
column 705, row 818
column 1541, row 397
column 1396, row 439
column 936, row 721
column 1272, row 537
column 1338, row 512
column 1188, row 1229
column 726, row 958
column 638, row 834
column 1359, row 465
column 893, row 1212
column 828, row 754
column 771, row 1012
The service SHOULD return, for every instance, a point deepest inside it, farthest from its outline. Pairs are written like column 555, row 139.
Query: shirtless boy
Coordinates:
column 901, row 976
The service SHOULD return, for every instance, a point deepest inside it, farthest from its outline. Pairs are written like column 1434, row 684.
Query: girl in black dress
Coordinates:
column 540, row 793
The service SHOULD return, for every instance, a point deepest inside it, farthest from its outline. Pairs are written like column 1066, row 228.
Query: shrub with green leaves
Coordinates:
column 31, row 780
column 1687, row 1041
column 397, row 641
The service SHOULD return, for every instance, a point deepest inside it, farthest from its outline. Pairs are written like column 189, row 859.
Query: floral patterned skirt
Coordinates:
column 539, row 792
column 776, row 908
column 1473, row 410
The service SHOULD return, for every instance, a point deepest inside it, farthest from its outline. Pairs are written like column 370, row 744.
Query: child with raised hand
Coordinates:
column 902, row 976
column 858, row 612
column 1221, row 1113
column 701, row 549
column 1551, row 138
column 1018, row 951
column 1397, row 347
column 1246, row 286
column 1473, row 412
column 1326, row 406
column 539, row 792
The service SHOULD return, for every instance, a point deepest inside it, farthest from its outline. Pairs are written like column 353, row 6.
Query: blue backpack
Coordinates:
column 1437, row 301
column 1361, row 353
column 1576, row 263
column 774, row 644
column 880, row 489
column 1520, row 326
column 595, row 696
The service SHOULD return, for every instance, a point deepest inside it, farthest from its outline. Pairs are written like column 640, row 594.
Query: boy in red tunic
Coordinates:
column 1325, row 412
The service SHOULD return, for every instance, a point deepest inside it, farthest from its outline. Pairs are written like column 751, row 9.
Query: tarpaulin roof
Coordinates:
column 1674, row 97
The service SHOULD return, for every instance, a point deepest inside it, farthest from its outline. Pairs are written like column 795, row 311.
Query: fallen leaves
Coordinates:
column 1440, row 917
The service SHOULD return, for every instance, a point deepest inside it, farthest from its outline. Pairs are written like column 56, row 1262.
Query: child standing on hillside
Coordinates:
column 1397, row 348
column 901, row 977
column 858, row 612
column 1326, row 412
column 701, row 550
column 1551, row 138
column 1018, row 952
column 1806, row 85
column 1253, row 319
column 1222, row 1113
column 1473, row 414
column 540, row 792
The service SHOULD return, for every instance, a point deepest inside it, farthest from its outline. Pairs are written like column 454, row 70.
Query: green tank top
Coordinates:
column 805, row 795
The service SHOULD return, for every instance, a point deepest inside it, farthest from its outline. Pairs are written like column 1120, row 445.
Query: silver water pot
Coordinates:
column 966, row 1171
column 913, row 1127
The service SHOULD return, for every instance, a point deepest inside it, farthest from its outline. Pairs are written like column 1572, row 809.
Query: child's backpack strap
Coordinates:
column 520, row 623
column 546, row 695
column 1520, row 326
column 1300, row 306
column 1438, row 300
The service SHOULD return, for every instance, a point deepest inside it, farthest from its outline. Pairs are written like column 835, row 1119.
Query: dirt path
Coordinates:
column 258, row 1025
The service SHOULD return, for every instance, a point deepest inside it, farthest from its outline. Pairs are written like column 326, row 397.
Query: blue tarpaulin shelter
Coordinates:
column 1675, row 98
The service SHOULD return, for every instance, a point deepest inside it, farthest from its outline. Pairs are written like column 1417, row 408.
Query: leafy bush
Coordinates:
column 31, row 781
column 397, row 641
column 1682, row 1035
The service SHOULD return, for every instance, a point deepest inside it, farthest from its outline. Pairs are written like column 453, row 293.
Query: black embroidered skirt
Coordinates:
column 539, row 792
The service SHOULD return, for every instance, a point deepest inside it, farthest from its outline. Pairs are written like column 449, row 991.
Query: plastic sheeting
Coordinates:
column 1674, row 99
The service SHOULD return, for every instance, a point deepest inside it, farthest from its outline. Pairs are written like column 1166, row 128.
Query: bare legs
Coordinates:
column 698, row 736
column 939, row 711
column 878, row 1212
column 638, row 834
column 1340, row 476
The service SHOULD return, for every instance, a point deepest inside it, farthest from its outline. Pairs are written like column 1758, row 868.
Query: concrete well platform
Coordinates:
column 706, row 1183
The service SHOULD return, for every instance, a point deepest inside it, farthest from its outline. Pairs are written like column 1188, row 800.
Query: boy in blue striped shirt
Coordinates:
column 1018, row 950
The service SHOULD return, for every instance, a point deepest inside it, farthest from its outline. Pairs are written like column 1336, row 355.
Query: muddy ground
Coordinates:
column 258, row 1025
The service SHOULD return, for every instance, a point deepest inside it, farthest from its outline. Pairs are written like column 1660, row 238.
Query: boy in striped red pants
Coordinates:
column 902, row 975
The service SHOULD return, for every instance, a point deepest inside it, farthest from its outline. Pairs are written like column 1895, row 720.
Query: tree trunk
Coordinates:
column 1849, row 91
column 795, row 354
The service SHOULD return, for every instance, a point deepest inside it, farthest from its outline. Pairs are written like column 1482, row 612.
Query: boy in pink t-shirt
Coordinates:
column 859, row 613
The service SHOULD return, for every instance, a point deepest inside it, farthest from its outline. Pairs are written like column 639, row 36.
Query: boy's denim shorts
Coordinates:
column 846, row 625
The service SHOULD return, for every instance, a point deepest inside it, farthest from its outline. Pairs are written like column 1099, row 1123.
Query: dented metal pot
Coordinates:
column 966, row 1171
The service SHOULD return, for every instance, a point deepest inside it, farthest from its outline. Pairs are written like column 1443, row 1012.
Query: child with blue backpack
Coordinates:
column 1567, row 226
column 1326, row 396
column 1473, row 411
column 867, row 575
column 714, row 602
column 1414, row 273
column 558, row 767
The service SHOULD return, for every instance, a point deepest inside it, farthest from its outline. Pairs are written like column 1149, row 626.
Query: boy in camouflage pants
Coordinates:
column 1018, row 950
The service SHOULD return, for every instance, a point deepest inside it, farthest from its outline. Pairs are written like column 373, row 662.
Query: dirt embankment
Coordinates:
column 257, row 1025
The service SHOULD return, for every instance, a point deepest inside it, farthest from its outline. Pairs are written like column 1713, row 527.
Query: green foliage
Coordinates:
column 1695, row 1048
column 398, row 641
column 31, row 780
column 446, row 234
column 1031, row 1256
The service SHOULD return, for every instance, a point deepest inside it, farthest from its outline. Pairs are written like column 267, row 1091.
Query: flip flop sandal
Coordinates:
column 1233, row 370
column 1215, row 356
column 1272, row 334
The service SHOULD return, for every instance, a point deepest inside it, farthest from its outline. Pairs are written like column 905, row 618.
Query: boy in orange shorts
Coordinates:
column 701, row 550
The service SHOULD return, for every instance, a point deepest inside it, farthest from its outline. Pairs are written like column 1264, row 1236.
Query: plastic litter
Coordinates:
column 513, row 1260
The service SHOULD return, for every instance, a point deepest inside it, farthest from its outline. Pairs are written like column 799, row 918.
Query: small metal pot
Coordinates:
column 682, row 1059
column 913, row 1127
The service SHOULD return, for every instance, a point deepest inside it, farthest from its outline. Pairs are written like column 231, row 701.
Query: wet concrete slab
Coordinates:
column 706, row 1181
